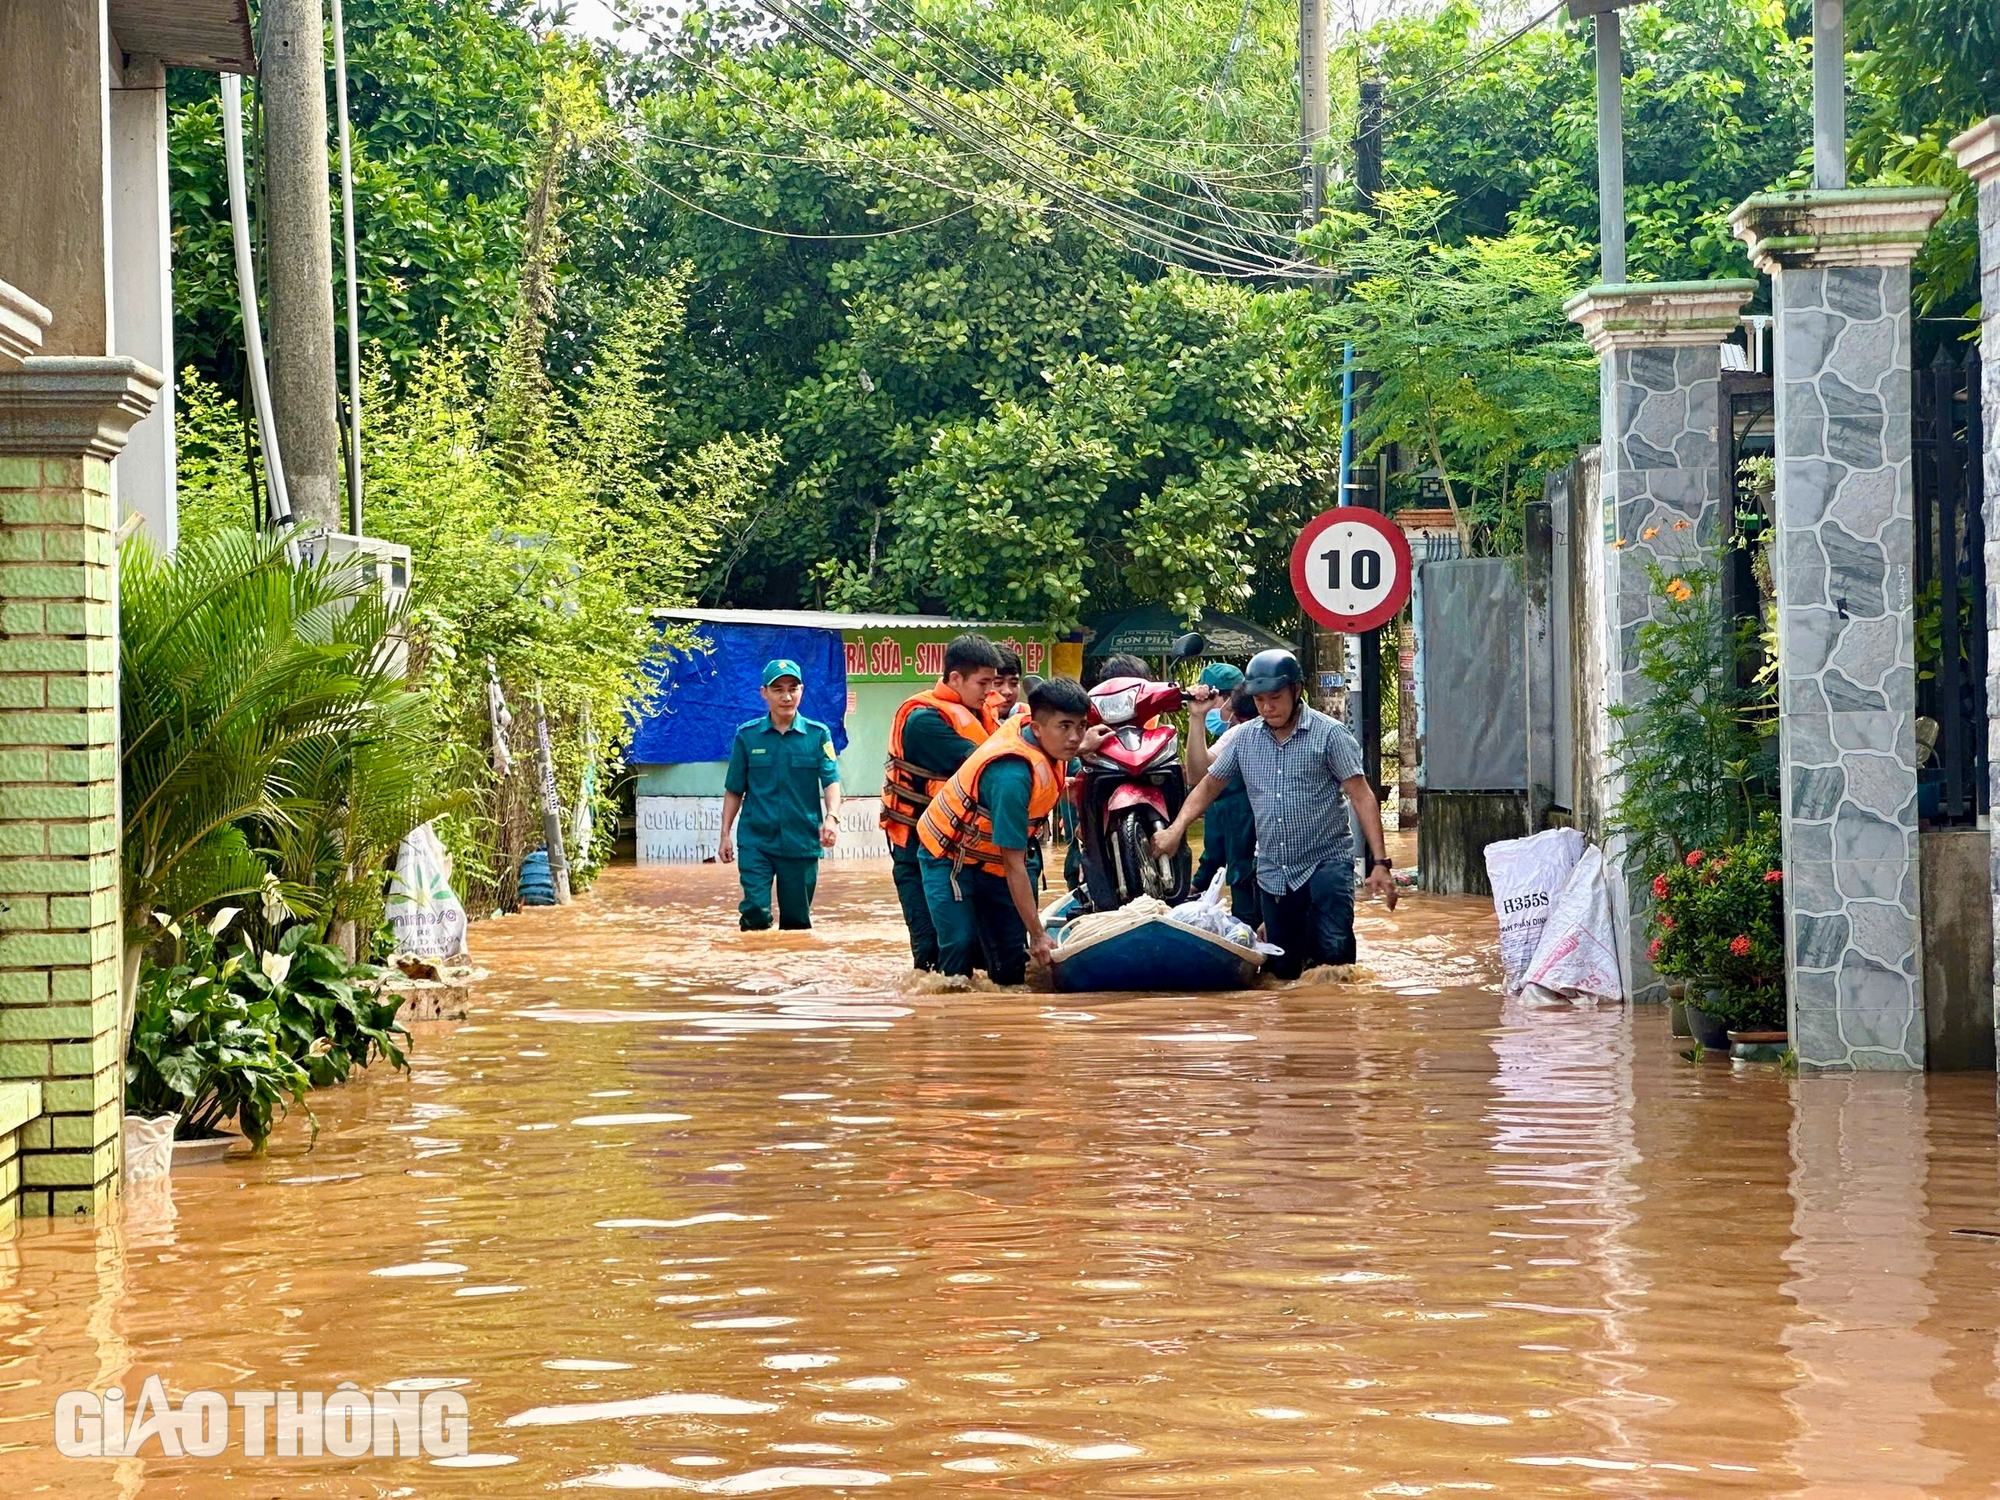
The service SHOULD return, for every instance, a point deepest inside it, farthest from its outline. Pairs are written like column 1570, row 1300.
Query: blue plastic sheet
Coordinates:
column 703, row 697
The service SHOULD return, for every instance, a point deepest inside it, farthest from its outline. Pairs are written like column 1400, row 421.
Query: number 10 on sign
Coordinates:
column 1351, row 569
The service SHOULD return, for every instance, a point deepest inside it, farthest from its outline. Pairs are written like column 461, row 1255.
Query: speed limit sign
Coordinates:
column 1351, row 569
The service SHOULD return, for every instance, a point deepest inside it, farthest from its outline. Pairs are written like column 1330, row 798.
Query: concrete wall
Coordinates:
column 1957, row 950
column 687, row 830
column 55, row 231
column 1453, row 830
column 20, row 1105
column 59, row 952
column 86, row 230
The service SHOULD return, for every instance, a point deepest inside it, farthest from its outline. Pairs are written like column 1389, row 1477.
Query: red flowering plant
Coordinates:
column 1718, row 921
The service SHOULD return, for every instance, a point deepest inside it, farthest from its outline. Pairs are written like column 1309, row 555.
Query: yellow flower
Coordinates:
column 1682, row 525
column 1615, row 546
column 1649, row 533
column 1680, row 591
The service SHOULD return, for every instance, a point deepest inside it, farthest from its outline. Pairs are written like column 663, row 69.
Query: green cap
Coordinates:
column 1221, row 675
column 782, row 667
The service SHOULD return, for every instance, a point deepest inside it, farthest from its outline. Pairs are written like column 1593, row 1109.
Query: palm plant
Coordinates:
column 348, row 797
column 257, row 703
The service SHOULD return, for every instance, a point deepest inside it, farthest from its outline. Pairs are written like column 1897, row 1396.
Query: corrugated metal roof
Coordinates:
column 826, row 619
column 209, row 34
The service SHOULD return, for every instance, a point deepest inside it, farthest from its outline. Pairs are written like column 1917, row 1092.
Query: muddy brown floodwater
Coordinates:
column 688, row 1211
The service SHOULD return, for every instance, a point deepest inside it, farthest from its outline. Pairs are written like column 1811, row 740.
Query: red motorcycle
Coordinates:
column 1132, row 787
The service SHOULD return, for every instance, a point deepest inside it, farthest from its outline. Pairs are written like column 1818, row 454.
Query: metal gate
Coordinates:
column 1950, row 587
column 1747, row 412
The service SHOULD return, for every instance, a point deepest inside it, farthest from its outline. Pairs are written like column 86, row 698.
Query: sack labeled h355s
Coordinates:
column 1525, row 875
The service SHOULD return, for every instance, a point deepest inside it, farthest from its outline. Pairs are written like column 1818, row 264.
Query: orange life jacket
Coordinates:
column 907, row 788
column 991, row 712
column 959, row 827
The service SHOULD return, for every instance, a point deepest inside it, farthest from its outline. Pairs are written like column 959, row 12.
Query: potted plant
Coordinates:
column 1718, row 923
column 202, row 1050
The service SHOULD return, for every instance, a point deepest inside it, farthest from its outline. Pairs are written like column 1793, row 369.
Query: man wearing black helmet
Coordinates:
column 1301, row 768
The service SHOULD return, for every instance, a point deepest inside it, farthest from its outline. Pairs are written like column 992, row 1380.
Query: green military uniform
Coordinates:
column 1228, row 830
column 1229, row 844
column 779, row 776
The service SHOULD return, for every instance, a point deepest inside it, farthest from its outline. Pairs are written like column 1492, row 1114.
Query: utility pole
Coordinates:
column 1313, row 104
column 1329, row 647
column 1610, row 151
column 1368, row 144
column 1829, row 95
column 1610, row 134
column 304, row 395
column 1368, row 182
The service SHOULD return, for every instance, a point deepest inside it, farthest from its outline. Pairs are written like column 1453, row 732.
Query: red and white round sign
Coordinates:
column 1351, row 568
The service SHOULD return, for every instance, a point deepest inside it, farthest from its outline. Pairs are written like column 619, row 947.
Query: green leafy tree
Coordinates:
column 447, row 106
column 1925, row 70
column 1473, row 364
column 1717, row 105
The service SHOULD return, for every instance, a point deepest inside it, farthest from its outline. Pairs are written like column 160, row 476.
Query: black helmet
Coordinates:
column 1270, row 670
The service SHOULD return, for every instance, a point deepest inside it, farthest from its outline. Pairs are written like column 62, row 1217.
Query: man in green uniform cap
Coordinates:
column 1228, row 832
column 785, row 782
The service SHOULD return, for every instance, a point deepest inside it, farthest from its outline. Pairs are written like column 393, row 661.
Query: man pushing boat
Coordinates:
column 974, row 835
column 1301, row 768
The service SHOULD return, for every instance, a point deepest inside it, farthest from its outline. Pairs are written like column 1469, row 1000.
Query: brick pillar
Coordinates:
column 1847, row 683
column 62, row 421
column 1978, row 152
column 1659, row 348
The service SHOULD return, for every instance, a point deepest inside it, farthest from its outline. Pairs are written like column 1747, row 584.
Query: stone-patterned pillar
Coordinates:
column 62, row 421
column 1660, row 353
column 1847, row 684
column 1978, row 152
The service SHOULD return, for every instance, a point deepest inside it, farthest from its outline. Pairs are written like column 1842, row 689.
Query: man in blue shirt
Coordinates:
column 1296, row 763
column 781, row 798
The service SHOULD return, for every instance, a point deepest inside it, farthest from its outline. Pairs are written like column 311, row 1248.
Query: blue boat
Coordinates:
column 1155, row 955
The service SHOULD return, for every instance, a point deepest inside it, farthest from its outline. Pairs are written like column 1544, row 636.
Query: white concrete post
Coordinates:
column 1660, row 370
column 142, row 324
column 1847, row 682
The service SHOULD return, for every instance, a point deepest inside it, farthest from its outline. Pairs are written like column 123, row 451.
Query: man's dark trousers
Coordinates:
column 1314, row 924
column 909, row 878
column 977, row 925
column 796, row 879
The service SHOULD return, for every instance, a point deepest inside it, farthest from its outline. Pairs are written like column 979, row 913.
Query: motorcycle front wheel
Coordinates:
column 1136, row 869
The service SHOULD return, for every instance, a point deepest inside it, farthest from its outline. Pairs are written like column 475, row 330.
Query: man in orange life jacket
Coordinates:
column 1005, row 699
column 976, row 833
column 930, row 737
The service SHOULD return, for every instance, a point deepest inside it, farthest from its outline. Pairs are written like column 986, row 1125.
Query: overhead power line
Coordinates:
column 788, row 234
column 1429, row 89
column 853, row 149
column 1067, row 199
column 946, row 115
column 1055, row 157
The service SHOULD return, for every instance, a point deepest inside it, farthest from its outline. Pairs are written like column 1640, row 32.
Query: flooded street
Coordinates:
column 689, row 1211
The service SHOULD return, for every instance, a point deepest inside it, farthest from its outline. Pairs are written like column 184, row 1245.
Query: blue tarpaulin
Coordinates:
column 705, row 696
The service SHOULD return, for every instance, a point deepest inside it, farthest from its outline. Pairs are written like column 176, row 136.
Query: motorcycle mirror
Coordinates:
column 1189, row 646
column 1029, row 683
